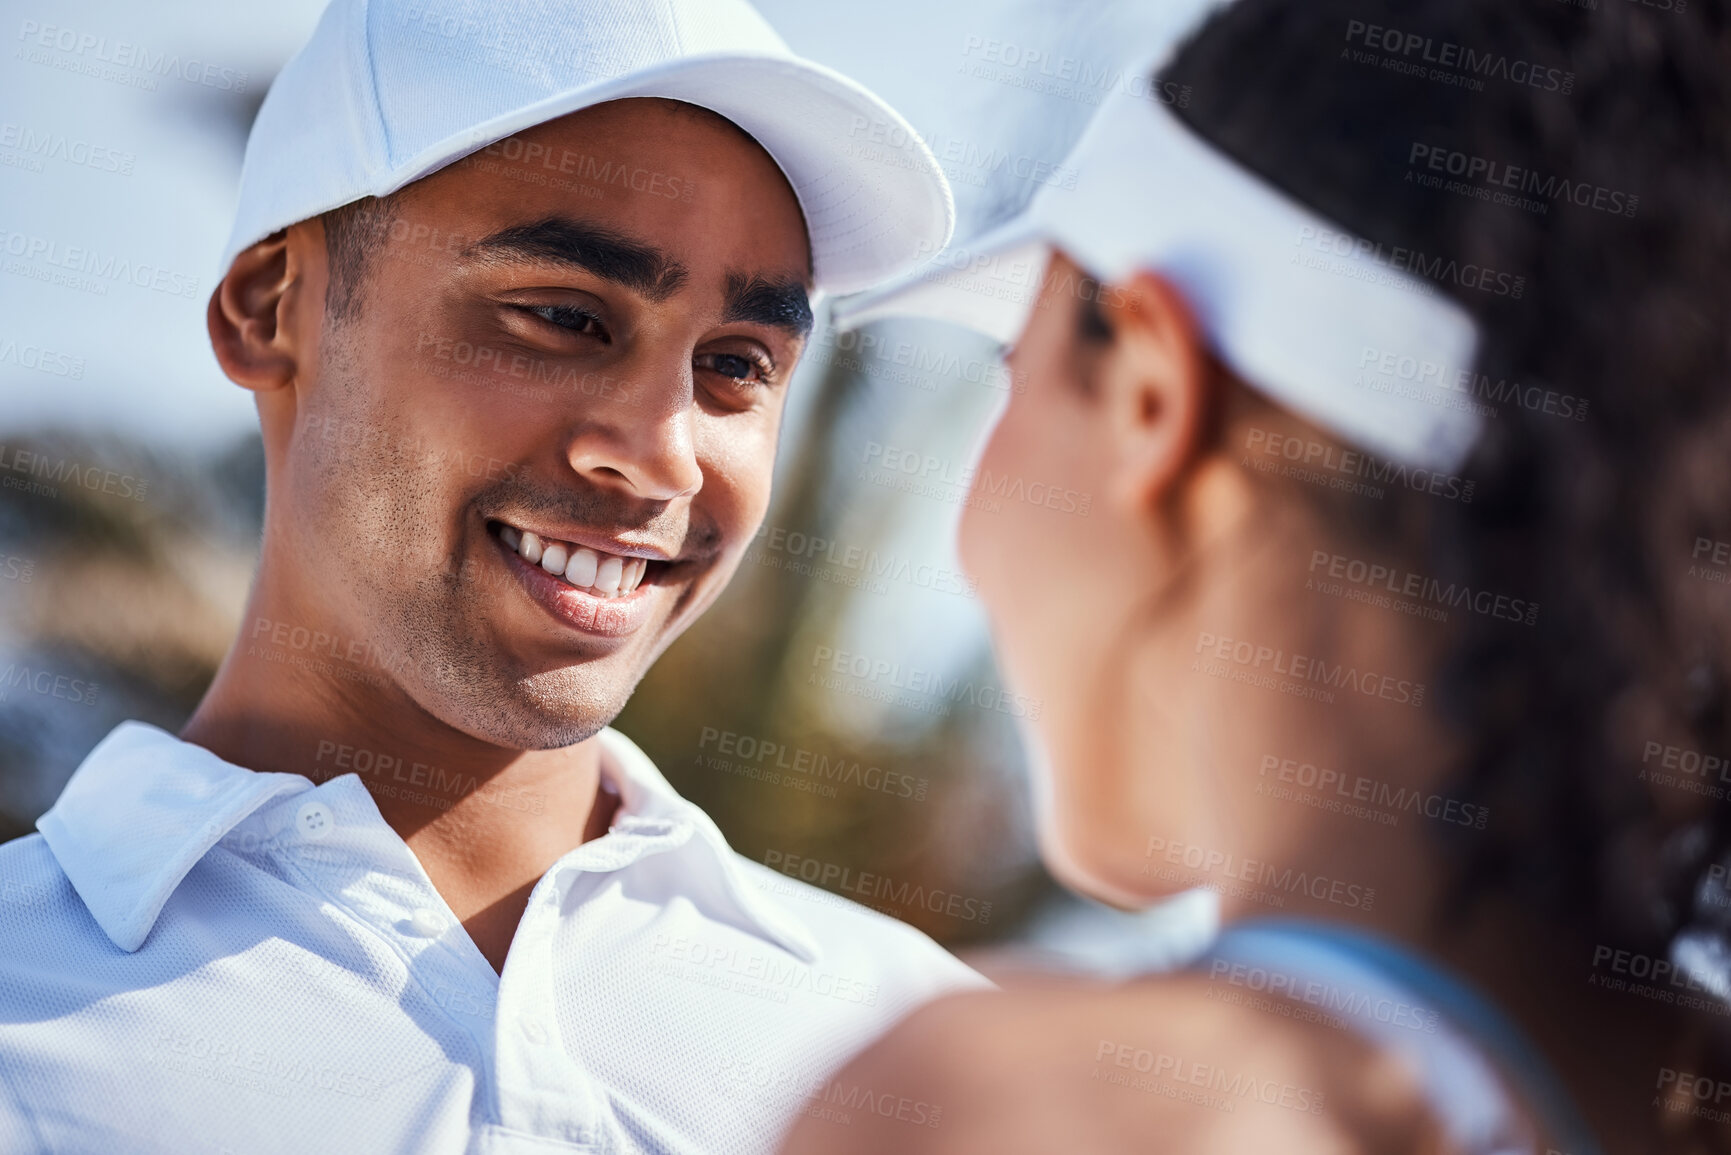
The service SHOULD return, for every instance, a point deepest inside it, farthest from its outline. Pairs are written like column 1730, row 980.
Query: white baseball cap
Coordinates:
column 388, row 91
column 1303, row 311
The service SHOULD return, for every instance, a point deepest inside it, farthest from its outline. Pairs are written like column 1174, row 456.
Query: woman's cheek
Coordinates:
column 990, row 541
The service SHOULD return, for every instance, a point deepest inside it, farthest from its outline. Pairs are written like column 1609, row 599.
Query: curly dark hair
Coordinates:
column 1614, row 290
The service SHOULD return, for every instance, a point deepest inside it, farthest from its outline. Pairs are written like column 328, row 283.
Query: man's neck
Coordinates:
column 485, row 821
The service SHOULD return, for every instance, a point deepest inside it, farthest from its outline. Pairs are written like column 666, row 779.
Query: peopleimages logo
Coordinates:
column 501, row 45
column 511, row 366
column 42, row 360
column 877, row 355
column 830, row 1100
column 81, row 262
column 1344, row 255
column 48, row 473
column 1202, row 865
column 1234, row 1087
column 865, row 561
column 1067, row 77
column 1335, row 468
column 375, row 767
column 875, row 889
column 762, row 755
column 766, row 974
column 1425, row 593
column 890, row 464
column 963, row 161
column 84, row 51
column 1685, row 769
column 39, row 146
column 1486, row 179
column 1388, row 367
column 1336, row 1001
column 584, row 167
column 22, row 676
column 1686, row 1093
column 1634, row 968
column 1298, row 674
column 1338, row 791
column 930, row 691
column 1444, row 60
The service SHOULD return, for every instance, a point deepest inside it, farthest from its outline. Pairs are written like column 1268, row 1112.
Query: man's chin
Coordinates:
column 538, row 732
column 518, row 693
column 541, row 713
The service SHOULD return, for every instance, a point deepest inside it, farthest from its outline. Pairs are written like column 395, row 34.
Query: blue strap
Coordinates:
column 1468, row 1011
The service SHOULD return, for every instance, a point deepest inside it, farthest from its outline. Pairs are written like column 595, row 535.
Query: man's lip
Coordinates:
column 601, row 543
column 579, row 609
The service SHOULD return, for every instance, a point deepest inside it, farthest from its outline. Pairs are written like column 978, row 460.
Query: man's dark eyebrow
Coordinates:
column 596, row 250
column 783, row 304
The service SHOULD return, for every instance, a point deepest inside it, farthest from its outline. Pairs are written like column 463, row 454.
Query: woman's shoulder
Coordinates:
column 1147, row 1064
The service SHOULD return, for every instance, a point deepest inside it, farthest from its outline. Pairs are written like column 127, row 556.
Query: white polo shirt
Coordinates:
column 198, row 958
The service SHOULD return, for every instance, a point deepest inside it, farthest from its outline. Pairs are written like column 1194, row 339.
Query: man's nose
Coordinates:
column 641, row 437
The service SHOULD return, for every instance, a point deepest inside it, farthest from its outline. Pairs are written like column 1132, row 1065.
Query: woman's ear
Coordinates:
column 252, row 312
column 1155, row 382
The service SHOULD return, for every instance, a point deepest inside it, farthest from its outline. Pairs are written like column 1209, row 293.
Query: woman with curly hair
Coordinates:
column 1391, row 340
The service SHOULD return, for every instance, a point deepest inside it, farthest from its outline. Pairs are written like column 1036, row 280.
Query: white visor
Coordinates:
column 1348, row 343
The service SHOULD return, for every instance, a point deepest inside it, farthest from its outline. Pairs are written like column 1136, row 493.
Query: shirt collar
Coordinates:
column 144, row 807
column 648, row 804
column 139, row 813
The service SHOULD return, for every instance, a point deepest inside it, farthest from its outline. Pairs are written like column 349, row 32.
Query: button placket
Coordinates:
column 542, row 1089
column 358, row 864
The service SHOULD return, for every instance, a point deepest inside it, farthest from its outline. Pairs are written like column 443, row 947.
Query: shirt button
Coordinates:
column 534, row 1031
column 426, row 923
column 315, row 821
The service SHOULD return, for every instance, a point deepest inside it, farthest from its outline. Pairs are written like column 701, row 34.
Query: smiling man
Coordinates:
column 519, row 295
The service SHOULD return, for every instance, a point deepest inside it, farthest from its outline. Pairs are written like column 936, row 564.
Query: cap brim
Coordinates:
column 872, row 210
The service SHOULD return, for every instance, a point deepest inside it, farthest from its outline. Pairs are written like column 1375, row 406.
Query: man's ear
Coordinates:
column 252, row 314
column 1155, row 381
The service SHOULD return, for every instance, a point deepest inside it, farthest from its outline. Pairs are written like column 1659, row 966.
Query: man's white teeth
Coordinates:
column 605, row 574
column 607, row 577
column 580, row 570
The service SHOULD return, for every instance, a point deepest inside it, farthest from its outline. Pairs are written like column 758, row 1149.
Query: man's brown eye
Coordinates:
column 757, row 370
column 733, row 365
column 572, row 318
